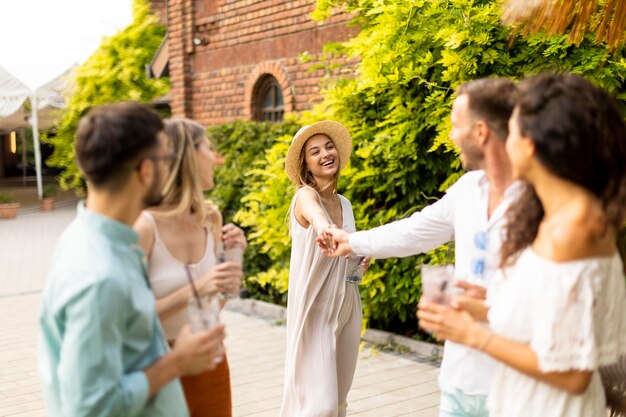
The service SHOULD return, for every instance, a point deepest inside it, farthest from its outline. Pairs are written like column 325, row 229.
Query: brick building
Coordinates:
column 242, row 59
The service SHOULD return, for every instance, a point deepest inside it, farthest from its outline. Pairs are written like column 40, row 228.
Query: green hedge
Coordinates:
column 244, row 146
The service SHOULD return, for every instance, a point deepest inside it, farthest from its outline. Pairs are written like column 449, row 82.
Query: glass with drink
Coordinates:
column 204, row 313
column 438, row 283
column 355, row 268
column 231, row 253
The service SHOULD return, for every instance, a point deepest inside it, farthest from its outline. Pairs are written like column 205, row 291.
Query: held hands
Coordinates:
column 197, row 352
column 324, row 238
column 334, row 242
column 223, row 278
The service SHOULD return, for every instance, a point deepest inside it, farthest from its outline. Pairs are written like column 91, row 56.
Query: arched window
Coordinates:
column 269, row 100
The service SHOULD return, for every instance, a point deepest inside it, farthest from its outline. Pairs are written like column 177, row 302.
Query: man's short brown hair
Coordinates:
column 111, row 138
column 492, row 100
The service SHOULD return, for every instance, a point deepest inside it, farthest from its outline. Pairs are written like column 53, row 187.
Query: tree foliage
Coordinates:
column 116, row 71
column 413, row 55
column 247, row 147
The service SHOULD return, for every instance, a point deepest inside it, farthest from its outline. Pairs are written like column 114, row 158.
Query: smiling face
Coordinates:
column 321, row 157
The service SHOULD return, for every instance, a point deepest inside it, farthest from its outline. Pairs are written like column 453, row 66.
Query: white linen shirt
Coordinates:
column 460, row 214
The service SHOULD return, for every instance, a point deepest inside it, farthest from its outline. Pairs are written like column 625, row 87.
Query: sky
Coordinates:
column 40, row 39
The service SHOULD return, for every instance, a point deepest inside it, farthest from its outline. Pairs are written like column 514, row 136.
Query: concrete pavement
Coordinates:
column 385, row 385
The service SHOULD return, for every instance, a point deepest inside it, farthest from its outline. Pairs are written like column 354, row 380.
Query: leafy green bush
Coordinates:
column 264, row 211
column 241, row 144
column 413, row 55
column 244, row 146
column 116, row 71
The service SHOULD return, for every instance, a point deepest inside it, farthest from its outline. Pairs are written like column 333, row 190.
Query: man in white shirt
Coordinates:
column 472, row 213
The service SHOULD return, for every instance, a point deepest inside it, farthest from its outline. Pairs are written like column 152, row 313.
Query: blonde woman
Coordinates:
column 181, row 239
column 324, row 309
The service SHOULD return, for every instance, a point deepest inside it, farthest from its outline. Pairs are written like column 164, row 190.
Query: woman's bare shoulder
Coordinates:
column 145, row 228
column 578, row 239
column 306, row 195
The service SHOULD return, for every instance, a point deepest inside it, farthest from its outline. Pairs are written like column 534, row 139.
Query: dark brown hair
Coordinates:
column 111, row 139
column 579, row 135
column 492, row 100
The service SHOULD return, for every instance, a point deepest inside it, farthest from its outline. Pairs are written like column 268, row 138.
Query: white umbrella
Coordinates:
column 13, row 94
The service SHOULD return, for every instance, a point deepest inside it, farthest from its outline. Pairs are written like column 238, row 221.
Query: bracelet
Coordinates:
column 485, row 342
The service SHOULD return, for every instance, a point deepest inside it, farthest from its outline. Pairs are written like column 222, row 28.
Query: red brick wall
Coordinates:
column 237, row 41
column 158, row 8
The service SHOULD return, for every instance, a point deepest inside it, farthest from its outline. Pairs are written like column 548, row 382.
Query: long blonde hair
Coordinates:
column 183, row 190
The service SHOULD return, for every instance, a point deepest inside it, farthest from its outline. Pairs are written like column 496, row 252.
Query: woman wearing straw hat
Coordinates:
column 181, row 240
column 324, row 308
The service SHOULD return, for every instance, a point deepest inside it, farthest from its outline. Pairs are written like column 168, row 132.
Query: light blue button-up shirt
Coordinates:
column 99, row 327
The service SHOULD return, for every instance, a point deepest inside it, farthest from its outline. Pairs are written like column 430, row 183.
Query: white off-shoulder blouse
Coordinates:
column 572, row 315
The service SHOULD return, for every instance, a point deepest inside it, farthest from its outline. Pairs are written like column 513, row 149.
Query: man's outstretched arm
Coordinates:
column 423, row 231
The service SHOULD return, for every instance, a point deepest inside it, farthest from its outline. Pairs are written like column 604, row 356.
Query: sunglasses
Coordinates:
column 481, row 240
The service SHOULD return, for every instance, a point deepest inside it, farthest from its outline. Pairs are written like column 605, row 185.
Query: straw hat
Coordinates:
column 334, row 130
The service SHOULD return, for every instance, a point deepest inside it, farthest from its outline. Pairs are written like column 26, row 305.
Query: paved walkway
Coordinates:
column 385, row 385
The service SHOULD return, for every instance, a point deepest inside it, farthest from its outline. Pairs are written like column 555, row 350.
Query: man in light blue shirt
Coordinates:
column 101, row 349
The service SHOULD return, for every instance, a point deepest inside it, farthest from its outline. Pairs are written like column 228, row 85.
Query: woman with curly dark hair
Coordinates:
column 558, row 307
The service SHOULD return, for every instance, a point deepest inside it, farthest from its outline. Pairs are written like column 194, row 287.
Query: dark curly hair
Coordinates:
column 579, row 135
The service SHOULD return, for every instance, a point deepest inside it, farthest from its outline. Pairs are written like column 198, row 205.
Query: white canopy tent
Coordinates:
column 13, row 95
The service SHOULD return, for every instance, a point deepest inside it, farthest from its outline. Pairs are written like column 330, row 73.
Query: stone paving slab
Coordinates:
column 26, row 247
column 385, row 385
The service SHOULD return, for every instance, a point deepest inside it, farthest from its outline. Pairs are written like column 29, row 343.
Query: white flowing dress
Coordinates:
column 323, row 325
column 573, row 316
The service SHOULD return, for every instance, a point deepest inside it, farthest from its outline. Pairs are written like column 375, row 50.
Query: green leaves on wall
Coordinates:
column 116, row 71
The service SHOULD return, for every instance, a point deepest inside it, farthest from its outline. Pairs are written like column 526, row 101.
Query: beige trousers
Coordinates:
column 322, row 376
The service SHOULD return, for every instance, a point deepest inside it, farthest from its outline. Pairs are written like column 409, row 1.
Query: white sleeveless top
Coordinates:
column 167, row 274
column 573, row 316
column 317, row 292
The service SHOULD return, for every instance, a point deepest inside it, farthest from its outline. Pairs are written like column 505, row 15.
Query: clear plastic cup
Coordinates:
column 355, row 268
column 232, row 254
column 204, row 314
column 438, row 283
